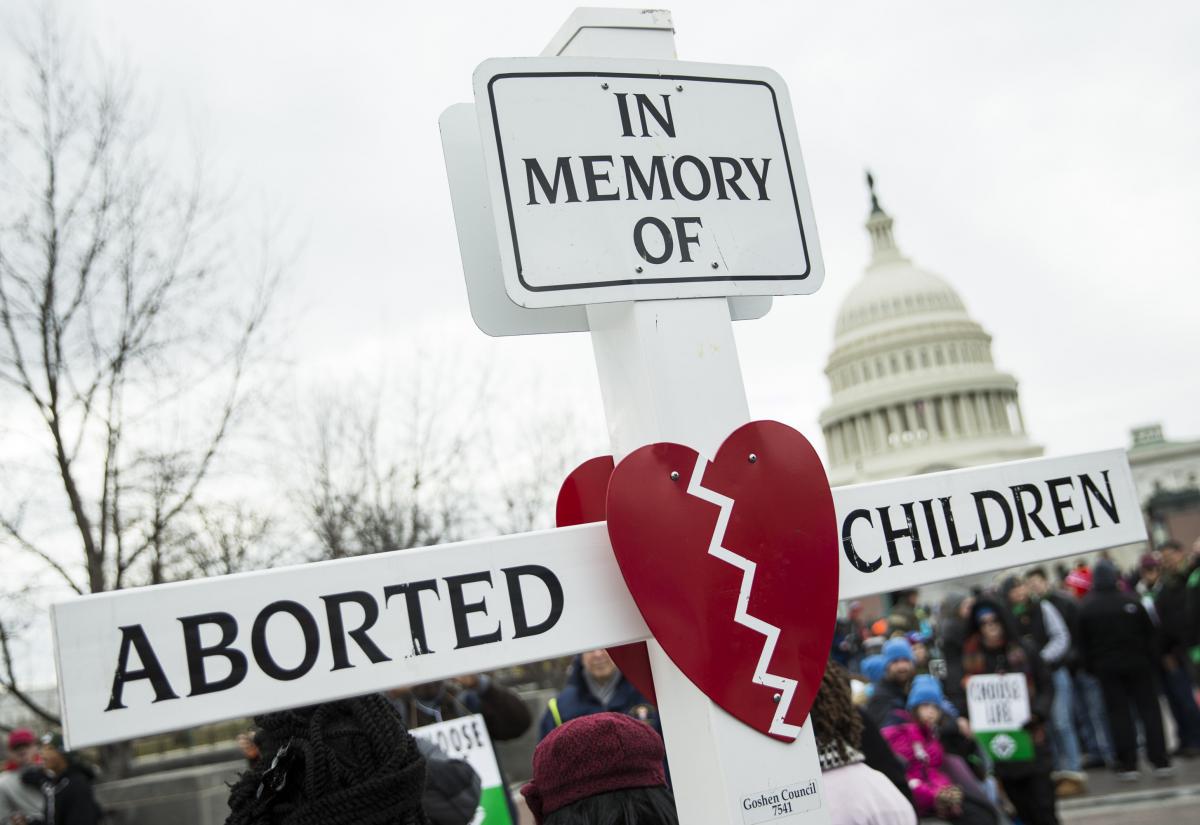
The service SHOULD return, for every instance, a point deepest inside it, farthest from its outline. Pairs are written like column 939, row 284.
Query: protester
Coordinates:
column 848, row 636
column 1117, row 642
column 339, row 763
column 504, row 712
column 872, row 668
column 452, row 787
column 856, row 793
column 904, row 618
column 891, row 693
column 70, row 799
column 994, row 645
column 1178, row 636
column 954, row 614
column 920, row 651
column 916, row 740
column 21, row 797
column 595, row 685
column 248, row 747
column 600, row 768
column 1043, row 627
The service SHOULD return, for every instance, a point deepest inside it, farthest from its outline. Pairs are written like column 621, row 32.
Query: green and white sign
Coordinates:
column 467, row 738
column 998, row 706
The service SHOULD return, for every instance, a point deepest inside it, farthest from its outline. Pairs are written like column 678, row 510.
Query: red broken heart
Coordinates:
column 758, row 652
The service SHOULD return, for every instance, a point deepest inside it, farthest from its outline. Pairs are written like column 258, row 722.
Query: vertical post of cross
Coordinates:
column 669, row 371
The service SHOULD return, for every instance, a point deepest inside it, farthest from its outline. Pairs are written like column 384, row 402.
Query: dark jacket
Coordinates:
column 878, row 755
column 576, row 700
column 1016, row 656
column 886, row 701
column 452, row 787
column 1116, row 634
column 505, row 715
column 71, row 800
column 1170, row 602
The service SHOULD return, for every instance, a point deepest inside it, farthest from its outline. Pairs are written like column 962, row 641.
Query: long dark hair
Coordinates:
column 628, row 806
column 836, row 723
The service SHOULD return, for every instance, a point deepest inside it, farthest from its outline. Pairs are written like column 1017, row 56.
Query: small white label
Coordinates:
column 780, row 803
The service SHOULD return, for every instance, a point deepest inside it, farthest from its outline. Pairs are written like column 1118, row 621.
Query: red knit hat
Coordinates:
column 1079, row 581
column 19, row 737
column 592, row 755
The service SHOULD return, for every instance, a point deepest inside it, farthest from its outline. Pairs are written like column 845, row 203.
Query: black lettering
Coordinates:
column 892, row 535
column 197, row 653
column 848, row 542
column 990, row 540
column 639, row 242
column 658, row 172
column 337, row 628
column 667, row 122
column 686, row 241
column 760, row 179
column 562, row 172
column 133, row 637
column 1062, row 504
column 461, row 610
column 728, row 178
column 931, row 523
column 517, row 599
column 412, row 601
column 591, row 176
column 957, row 548
column 262, row 652
column 1025, row 514
column 1090, row 490
column 623, row 108
column 701, row 169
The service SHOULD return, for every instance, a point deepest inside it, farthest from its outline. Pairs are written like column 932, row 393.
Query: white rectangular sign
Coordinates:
column 146, row 660
column 923, row 529
column 997, row 702
column 618, row 180
column 491, row 308
column 467, row 738
column 161, row 658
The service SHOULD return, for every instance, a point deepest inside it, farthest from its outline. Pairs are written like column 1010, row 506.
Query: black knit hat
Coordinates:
column 340, row 763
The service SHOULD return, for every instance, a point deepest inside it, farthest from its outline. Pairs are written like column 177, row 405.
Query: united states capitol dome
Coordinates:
column 914, row 388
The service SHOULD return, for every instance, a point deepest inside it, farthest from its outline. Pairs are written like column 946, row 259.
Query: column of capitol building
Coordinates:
column 914, row 389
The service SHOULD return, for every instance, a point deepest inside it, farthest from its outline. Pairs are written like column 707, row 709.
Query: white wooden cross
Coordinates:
column 148, row 660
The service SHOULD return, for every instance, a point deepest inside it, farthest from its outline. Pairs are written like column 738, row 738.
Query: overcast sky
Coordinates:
column 1040, row 157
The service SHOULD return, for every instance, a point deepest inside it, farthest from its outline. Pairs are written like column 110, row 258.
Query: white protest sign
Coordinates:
column 152, row 659
column 998, row 708
column 997, row 702
column 491, row 308
column 619, row 180
column 467, row 738
column 923, row 529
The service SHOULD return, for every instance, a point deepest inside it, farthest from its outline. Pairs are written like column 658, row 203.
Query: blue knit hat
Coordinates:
column 925, row 690
column 895, row 650
column 872, row 668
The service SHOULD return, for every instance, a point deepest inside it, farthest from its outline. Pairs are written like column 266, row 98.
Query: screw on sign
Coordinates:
column 709, row 626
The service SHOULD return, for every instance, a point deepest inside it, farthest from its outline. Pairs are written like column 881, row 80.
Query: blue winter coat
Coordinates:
column 577, row 700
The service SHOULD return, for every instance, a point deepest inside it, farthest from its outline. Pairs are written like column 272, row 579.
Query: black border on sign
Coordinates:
column 633, row 281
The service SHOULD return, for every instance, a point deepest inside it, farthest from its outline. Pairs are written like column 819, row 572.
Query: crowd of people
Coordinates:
column 1098, row 648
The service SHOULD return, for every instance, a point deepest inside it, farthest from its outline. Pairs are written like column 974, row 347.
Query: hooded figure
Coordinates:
column 1118, row 644
column 994, row 645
